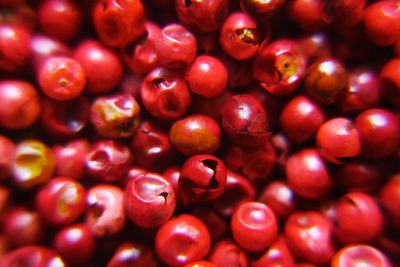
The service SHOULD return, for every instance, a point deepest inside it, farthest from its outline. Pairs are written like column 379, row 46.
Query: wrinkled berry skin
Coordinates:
column 108, row 161
column 202, row 16
column 309, row 237
column 227, row 252
column 337, row 139
column 239, row 36
column 245, row 120
column 182, row 240
column 115, row 116
column 151, row 147
column 140, row 56
column 175, row 46
column 307, row 174
column 326, row 81
column 61, row 201
column 165, row 94
column 195, row 134
column 256, row 164
column 202, row 178
column 105, row 214
column 279, row 66
column 352, row 255
column 149, row 200
column 358, row 219
column 118, row 23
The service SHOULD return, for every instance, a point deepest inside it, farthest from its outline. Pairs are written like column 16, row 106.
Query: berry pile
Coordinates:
column 199, row 133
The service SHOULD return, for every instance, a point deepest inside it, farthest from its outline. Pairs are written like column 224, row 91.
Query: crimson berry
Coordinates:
column 364, row 91
column 202, row 16
column 309, row 236
column 175, row 46
column 14, row 48
column 279, row 66
column 201, row 264
column 314, row 46
column 165, row 94
column 202, row 178
column 70, row 158
column 307, row 174
column 195, row 134
column 239, row 36
column 149, row 200
column 75, row 243
column 354, row 255
column 245, row 120
column 379, row 132
column 326, row 81
column 357, row 218
column 256, row 164
column 101, row 65
column 227, row 253
column 108, row 161
column 140, row 56
column 62, row 78
column 115, row 116
column 64, row 119
column 119, row 23
column 346, row 12
column 382, row 22
column 43, row 47
column 33, row 164
column 182, row 240
column 254, row 226
column 391, row 82
column 207, row 76
column 337, row 139
column 61, row 201
column 32, row 256
column 280, row 198
column 261, row 8
column 132, row 253
column 151, row 147
column 389, row 195
column 216, row 225
column 20, row 105
column 7, row 152
column 301, row 118
column 278, row 254
column 238, row 189
column 360, row 176
column 105, row 214
column 309, row 15
column 22, row 227
column 61, row 19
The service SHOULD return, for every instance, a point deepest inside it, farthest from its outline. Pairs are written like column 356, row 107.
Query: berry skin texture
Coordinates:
column 254, row 226
column 20, row 104
column 14, row 48
column 353, row 255
column 338, row 139
column 182, row 240
column 62, row 78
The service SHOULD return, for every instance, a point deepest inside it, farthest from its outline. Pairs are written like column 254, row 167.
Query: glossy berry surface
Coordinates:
column 195, row 134
column 254, row 226
column 149, row 200
column 182, row 240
